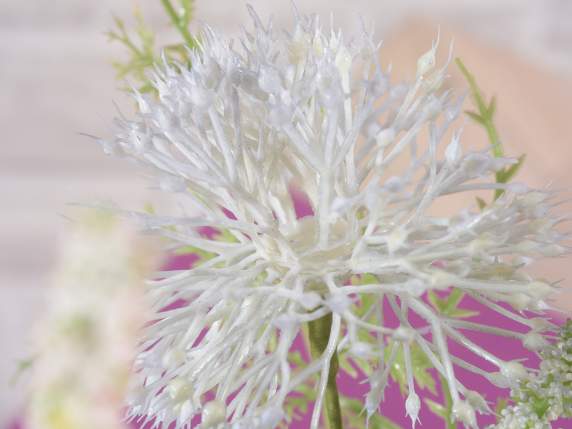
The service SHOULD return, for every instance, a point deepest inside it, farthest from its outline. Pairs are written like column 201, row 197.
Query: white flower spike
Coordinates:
column 242, row 132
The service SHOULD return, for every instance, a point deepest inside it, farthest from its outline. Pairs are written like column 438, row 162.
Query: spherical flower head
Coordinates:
column 322, row 178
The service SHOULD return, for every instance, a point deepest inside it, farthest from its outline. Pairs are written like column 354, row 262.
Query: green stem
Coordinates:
column 180, row 23
column 485, row 112
column 448, row 404
column 318, row 337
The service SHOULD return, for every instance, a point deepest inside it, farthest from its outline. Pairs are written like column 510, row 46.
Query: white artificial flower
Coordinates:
column 274, row 117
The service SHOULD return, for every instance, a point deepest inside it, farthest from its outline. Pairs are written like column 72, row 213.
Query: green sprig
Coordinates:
column 484, row 116
column 143, row 54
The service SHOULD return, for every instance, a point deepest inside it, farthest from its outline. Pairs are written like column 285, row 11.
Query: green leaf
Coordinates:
column 459, row 313
column 481, row 203
column 226, row 236
column 540, row 406
column 507, row 174
column 475, row 117
column 346, row 365
column 141, row 46
column 449, row 306
column 453, row 300
column 202, row 254
column 475, row 90
column 22, row 366
column 485, row 117
column 296, row 358
column 435, row 301
column 502, row 403
column 437, row 408
column 421, row 365
column 304, row 394
column 181, row 21
column 492, row 107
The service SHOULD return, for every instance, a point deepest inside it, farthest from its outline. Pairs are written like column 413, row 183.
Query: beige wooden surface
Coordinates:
column 55, row 81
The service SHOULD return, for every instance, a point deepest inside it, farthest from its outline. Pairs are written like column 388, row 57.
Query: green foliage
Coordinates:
column 141, row 48
column 445, row 411
column 484, row 116
column 202, row 254
column 222, row 235
column 449, row 306
column 501, row 404
column 182, row 19
column 140, row 45
column 22, row 366
column 420, row 364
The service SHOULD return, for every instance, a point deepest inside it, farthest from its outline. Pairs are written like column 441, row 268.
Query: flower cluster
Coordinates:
column 86, row 343
column 256, row 128
column 547, row 395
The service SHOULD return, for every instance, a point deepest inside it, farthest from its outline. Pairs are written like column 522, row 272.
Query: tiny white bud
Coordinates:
column 465, row 413
column 475, row 164
column 270, row 418
column 396, row 239
column 441, row 279
column 534, row 341
column 513, row 371
column 343, row 60
column 426, row 62
column 269, row 80
column 517, row 188
column 412, row 407
column 552, row 250
column 526, row 246
column 310, row 300
column 539, row 290
column 173, row 357
column 519, row 301
column 385, row 137
column 532, row 199
column 285, row 321
column 453, row 151
column 415, row 287
column 394, row 184
column 539, row 324
column 477, row 401
column 361, row 349
column 499, row 380
column 179, row 389
column 338, row 303
column 214, row 413
column 404, row 334
column 480, row 245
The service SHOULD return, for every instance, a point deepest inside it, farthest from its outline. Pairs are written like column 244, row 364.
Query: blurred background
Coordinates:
column 56, row 80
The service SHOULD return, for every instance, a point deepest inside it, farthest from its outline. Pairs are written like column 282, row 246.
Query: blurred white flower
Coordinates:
column 87, row 341
column 278, row 119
